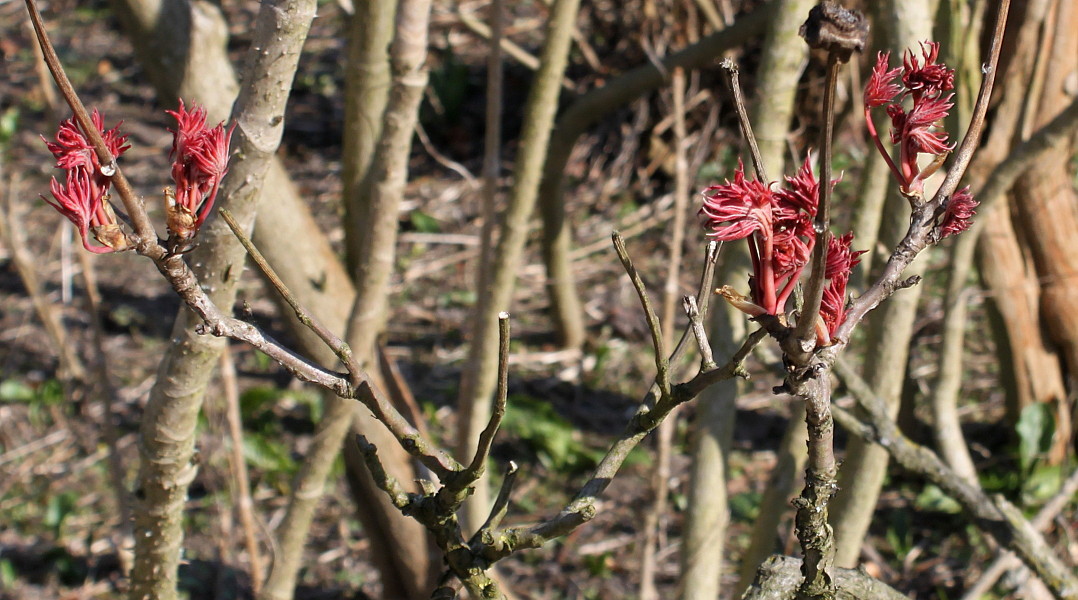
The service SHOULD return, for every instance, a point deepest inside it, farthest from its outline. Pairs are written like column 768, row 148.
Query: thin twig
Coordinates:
column 241, row 481
column 501, row 505
column 444, row 160
column 434, row 458
column 731, row 69
column 662, row 365
column 703, row 297
column 486, row 437
column 806, row 324
column 703, row 294
column 583, row 506
column 696, row 325
column 399, row 392
column 964, row 154
column 336, row 344
column 519, row 54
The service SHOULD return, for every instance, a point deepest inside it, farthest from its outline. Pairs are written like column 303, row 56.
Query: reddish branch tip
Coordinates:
column 779, row 227
column 930, row 78
column 914, row 130
column 840, row 263
column 958, row 216
column 83, row 198
column 199, row 162
column 736, row 209
column 881, row 87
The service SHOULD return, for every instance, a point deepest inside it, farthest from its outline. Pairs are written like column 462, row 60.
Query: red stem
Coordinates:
column 879, row 145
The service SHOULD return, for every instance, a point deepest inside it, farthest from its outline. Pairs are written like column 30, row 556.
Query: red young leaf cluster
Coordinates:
column 917, row 130
column 83, row 198
column 199, row 161
column 779, row 227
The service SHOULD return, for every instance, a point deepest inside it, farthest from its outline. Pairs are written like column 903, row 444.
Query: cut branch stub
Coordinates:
column 835, row 29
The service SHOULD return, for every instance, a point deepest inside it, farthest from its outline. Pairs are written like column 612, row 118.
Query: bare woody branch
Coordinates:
column 972, row 140
column 733, row 73
column 486, row 438
column 215, row 322
column 582, row 508
column 430, row 455
column 993, row 515
column 662, row 363
column 920, row 233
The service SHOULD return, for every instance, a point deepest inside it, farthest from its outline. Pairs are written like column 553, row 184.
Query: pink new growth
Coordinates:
column 914, row 131
column 778, row 225
column 83, row 198
column 840, row 263
column 958, row 215
column 199, row 162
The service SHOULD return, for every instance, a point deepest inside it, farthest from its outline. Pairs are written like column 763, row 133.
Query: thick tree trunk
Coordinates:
column 1046, row 210
column 367, row 82
column 173, row 32
column 167, row 431
column 1005, row 267
column 377, row 199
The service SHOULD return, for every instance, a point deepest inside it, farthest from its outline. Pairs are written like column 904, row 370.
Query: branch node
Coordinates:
column 908, row 282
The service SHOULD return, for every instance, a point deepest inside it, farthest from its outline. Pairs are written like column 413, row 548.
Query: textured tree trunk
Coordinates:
column 167, row 431
column 1046, row 208
column 315, row 275
column 171, row 33
column 1034, row 372
column 889, row 331
column 480, row 373
column 375, row 202
column 367, row 82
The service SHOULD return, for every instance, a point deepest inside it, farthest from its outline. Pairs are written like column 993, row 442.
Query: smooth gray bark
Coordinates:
column 167, row 432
